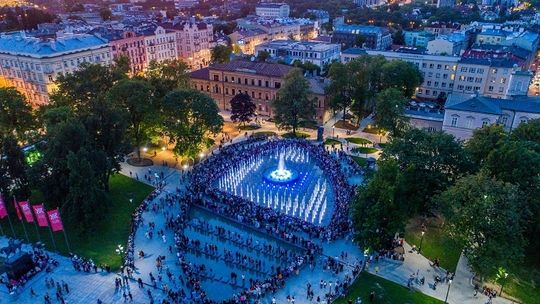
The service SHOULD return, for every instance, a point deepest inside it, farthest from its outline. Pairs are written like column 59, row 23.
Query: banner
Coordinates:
column 3, row 210
column 17, row 209
column 26, row 211
column 41, row 217
column 54, row 219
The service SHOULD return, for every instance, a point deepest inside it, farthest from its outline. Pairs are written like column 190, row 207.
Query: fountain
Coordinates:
column 281, row 175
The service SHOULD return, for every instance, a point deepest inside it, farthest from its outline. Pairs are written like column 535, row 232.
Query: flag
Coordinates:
column 41, row 217
column 55, row 220
column 27, row 212
column 3, row 210
column 19, row 215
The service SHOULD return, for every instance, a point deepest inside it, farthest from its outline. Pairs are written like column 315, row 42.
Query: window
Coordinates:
column 504, row 120
column 480, row 71
column 472, row 70
column 490, row 88
column 439, row 66
column 501, row 89
column 468, row 88
column 523, row 119
column 277, row 85
column 245, row 81
column 463, row 69
column 485, row 122
column 460, row 87
column 429, row 83
column 470, row 121
column 454, row 121
column 216, row 77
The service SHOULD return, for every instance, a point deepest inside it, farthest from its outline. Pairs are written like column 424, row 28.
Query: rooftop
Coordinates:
column 488, row 105
column 258, row 68
column 271, row 5
column 21, row 45
column 356, row 29
column 299, row 45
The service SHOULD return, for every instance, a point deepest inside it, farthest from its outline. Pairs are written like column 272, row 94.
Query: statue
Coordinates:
column 12, row 248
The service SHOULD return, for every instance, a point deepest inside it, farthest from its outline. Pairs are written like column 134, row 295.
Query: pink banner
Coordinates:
column 54, row 219
column 3, row 210
column 17, row 209
column 41, row 217
column 26, row 211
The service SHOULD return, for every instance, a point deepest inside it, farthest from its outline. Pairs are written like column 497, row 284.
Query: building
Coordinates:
column 259, row 80
column 373, row 37
column 194, row 42
column 318, row 53
column 160, row 44
column 461, row 118
column 442, row 28
column 281, row 28
column 31, row 64
column 247, row 40
column 369, row 3
column 497, row 78
column 418, row 38
column 272, row 10
column 425, row 116
column 321, row 16
column 130, row 45
column 446, row 3
column 451, row 44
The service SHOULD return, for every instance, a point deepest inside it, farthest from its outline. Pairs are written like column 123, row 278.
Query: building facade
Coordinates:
column 273, row 10
column 318, row 53
column 160, row 45
column 418, row 38
column 130, row 45
column 32, row 64
column 194, row 42
column 375, row 38
column 261, row 81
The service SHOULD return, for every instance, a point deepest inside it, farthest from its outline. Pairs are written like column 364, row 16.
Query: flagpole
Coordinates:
column 11, row 225
column 52, row 237
column 37, row 231
column 64, row 231
column 22, row 221
column 2, row 229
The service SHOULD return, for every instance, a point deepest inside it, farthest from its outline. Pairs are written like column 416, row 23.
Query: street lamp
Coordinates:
column 448, row 291
column 333, row 130
column 502, row 285
column 421, row 240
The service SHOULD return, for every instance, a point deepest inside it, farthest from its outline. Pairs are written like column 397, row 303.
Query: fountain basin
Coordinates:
column 281, row 176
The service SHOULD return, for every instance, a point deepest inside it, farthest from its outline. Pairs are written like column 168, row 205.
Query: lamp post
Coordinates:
column 333, row 130
column 421, row 240
column 502, row 284
column 448, row 291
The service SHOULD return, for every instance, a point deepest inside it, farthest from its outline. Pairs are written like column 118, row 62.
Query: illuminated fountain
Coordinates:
column 281, row 174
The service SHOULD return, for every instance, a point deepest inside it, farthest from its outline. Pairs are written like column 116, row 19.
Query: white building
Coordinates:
column 318, row 53
column 452, row 44
column 273, row 10
column 160, row 45
column 31, row 64
column 461, row 118
column 194, row 41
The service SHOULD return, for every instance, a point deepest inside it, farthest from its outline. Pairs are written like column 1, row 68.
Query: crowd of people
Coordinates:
column 245, row 211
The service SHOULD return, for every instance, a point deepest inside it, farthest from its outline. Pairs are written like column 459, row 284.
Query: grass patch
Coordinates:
column 363, row 150
column 249, row 127
column 343, row 124
column 297, row 135
column 360, row 160
column 436, row 244
column 386, row 292
column 522, row 282
column 372, row 130
column 359, row 140
column 382, row 145
column 113, row 230
column 331, row 141
column 264, row 134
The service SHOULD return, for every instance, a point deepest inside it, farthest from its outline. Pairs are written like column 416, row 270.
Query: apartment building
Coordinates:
column 31, row 64
column 130, row 45
column 272, row 10
column 194, row 41
column 375, row 38
column 160, row 44
column 247, row 40
column 259, row 80
column 281, row 28
column 318, row 53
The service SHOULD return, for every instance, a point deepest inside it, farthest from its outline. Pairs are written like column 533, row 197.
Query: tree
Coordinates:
column 379, row 211
column 262, row 56
column 242, row 108
column 221, row 54
column 390, row 111
column 528, row 132
column 359, row 41
column 188, row 118
column 293, row 107
column 16, row 116
column 398, row 37
column 430, row 163
column 484, row 141
column 484, row 217
column 13, row 176
column 105, row 13
column 401, row 75
column 167, row 75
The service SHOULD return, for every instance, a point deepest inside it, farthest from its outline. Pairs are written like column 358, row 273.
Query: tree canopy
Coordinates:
column 242, row 108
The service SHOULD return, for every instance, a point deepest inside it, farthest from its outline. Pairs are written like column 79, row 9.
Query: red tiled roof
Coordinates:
column 258, row 68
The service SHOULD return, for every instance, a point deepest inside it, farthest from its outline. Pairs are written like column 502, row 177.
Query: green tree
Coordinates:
column 262, row 56
column 136, row 97
column 105, row 13
column 16, row 116
column 242, row 108
column 390, row 111
column 13, row 176
column 484, row 217
column 430, row 163
column 484, row 141
column 167, row 75
column 379, row 211
column 398, row 37
column 293, row 107
column 189, row 117
column 221, row 54
column 401, row 75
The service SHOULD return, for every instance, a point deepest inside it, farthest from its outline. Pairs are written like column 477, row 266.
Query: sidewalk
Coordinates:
column 461, row 289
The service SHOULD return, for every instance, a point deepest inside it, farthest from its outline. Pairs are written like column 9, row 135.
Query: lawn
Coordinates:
column 343, row 124
column 386, row 292
column 360, row 160
column 249, row 127
column 523, row 281
column 109, row 233
column 264, row 134
column 436, row 244
column 358, row 140
column 297, row 135
column 363, row 150
column 330, row 141
column 371, row 130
